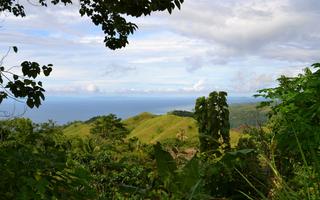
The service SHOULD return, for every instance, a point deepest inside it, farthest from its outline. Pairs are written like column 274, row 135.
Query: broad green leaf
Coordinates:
column 190, row 173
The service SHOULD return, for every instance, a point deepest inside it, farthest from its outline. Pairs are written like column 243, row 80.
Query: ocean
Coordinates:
column 67, row 109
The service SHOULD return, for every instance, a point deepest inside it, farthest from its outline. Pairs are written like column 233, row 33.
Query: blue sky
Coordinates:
column 236, row 46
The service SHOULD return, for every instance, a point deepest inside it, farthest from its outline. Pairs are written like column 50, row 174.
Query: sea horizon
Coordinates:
column 63, row 110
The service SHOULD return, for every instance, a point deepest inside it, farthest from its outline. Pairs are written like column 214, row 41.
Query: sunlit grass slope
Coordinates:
column 77, row 129
column 135, row 121
column 165, row 127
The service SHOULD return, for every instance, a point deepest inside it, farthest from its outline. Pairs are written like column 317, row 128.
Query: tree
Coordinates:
column 212, row 115
column 108, row 14
column 109, row 127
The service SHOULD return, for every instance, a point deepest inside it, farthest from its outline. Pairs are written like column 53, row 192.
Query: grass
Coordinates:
column 165, row 127
column 132, row 122
column 77, row 129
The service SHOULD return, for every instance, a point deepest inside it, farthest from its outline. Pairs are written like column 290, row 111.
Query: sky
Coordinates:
column 235, row 46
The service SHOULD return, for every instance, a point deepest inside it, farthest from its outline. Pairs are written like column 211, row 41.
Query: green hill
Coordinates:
column 135, row 121
column 77, row 129
column 165, row 127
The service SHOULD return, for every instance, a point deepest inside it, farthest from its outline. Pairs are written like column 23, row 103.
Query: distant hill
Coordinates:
column 150, row 128
column 247, row 114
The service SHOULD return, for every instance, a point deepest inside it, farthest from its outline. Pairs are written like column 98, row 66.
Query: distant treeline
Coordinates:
column 181, row 113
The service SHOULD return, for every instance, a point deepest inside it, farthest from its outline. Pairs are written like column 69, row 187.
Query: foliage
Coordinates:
column 295, row 117
column 299, row 181
column 33, row 164
column 185, row 183
column 109, row 127
column 212, row 115
column 119, row 169
column 305, row 184
column 37, row 162
column 210, row 178
column 17, row 86
column 223, row 176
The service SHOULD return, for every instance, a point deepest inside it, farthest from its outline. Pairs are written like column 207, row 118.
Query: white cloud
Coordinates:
column 91, row 40
column 156, row 59
column 92, row 88
column 253, row 27
column 197, row 87
column 251, row 81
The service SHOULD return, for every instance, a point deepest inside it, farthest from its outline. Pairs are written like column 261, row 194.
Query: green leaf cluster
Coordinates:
column 24, row 86
column 295, row 117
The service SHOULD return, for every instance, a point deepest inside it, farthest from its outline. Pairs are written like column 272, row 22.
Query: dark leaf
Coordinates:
column 15, row 49
column 30, row 103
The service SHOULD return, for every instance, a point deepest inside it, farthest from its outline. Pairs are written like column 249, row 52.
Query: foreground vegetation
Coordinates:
column 200, row 158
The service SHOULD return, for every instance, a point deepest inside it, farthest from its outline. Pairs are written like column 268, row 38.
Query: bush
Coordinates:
column 295, row 118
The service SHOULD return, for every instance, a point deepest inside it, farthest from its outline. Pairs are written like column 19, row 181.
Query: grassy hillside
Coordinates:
column 165, row 127
column 78, row 129
column 135, row 121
